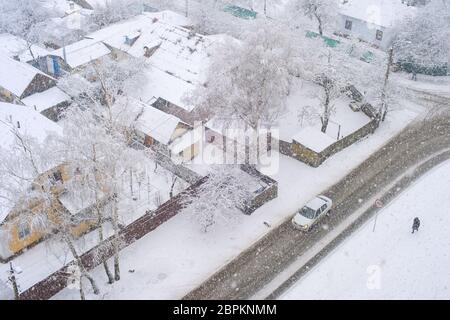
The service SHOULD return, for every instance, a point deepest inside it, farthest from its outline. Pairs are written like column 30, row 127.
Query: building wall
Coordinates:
column 179, row 131
column 7, row 96
column 190, row 152
column 52, row 65
column 16, row 244
column 365, row 31
column 302, row 153
column 39, row 83
column 9, row 231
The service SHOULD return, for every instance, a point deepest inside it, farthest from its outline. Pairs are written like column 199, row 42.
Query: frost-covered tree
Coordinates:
column 113, row 11
column 26, row 185
column 25, row 19
column 422, row 39
column 224, row 192
column 99, row 155
column 107, row 115
column 323, row 12
column 249, row 81
column 22, row 18
column 333, row 70
column 208, row 17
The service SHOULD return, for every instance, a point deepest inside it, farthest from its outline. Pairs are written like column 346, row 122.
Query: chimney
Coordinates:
column 64, row 54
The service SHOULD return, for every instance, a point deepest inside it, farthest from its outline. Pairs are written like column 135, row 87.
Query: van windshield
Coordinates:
column 308, row 212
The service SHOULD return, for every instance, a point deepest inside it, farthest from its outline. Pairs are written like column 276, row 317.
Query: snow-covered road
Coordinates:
column 383, row 260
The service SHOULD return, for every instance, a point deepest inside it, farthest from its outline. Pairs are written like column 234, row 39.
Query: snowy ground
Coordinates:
column 305, row 97
column 383, row 260
column 150, row 189
column 429, row 84
column 177, row 257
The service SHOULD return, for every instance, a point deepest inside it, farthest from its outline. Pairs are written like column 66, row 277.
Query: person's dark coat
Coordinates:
column 416, row 224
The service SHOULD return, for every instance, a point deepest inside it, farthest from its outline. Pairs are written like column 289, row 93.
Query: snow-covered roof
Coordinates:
column 16, row 76
column 170, row 17
column 313, row 138
column 160, row 84
column 115, row 33
column 181, row 52
column 44, row 100
column 82, row 52
column 385, row 13
column 31, row 122
column 179, row 59
column 13, row 46
column 61, row 6
column 76, row 201
column 156, row 123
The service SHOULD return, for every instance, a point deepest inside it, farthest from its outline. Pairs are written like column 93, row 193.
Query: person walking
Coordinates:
column 416, row 225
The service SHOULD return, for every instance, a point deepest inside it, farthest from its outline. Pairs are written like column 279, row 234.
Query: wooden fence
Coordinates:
column 48, row 287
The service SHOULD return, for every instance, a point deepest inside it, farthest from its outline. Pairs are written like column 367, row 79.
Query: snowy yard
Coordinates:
column 304, row 110
column 147, row 191
column 383, row 260
column 175, row 258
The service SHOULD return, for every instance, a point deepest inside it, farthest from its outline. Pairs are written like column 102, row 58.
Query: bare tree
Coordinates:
column 323, row 12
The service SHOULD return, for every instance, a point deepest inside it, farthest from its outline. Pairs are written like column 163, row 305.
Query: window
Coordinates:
column 348, row 24
column 323, row 208
column 379, row 35
column 308, row 212
column 23, row 230
column 57, row 176
column 318, row 213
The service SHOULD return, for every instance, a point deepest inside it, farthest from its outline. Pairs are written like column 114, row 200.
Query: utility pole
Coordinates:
column 187, row 8
column 265, row 8
column 383, row 108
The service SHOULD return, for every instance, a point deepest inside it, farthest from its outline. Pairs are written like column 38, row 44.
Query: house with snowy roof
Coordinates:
column 16, row 232
column 26, row 85
column 166, row 133
column 50, row 103
column 176, row 57
column 22, row 207
column 79, row 54
column 372, row 21
column 19, row 80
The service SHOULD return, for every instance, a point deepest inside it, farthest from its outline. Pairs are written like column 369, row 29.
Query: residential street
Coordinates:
column 258, row 265
column 224, row 150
